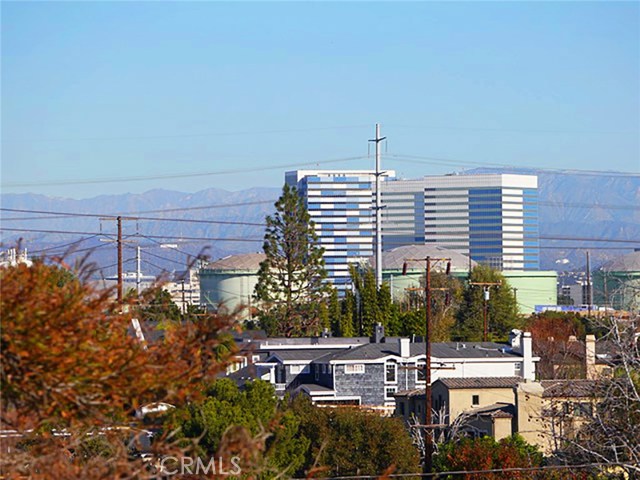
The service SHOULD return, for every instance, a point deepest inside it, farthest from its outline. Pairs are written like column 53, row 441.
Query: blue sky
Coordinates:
column 97, row 91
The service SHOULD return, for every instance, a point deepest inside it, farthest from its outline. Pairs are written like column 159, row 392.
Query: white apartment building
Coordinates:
column 340, row 202
column 493, row 218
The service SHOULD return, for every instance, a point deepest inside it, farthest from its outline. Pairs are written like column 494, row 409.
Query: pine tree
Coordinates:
column 346, row 328
column 335, row 312
column 502, row 307
column 291, row 284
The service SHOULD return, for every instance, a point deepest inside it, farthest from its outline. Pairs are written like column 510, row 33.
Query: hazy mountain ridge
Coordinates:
column 566, row 210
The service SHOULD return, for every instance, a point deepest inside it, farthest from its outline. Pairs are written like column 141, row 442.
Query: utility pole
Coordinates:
column 138, row 269
column 428, row 420
column 589, row 300
column 485, row 309
column 119, row 243
column 119, row 220
column 378, row 208
column 184, row 303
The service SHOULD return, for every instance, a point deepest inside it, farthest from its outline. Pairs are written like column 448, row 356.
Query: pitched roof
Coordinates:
column 303, row 355
column 569, row 388
column 480, row 382
column 496, row 410
column 373, row 351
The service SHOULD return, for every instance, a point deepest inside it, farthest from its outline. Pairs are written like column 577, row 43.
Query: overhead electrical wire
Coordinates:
column 111, row 216
column 420, row 159
column 139, row 178
column 195, row 135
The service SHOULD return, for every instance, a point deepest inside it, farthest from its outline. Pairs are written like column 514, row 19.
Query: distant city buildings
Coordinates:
column 340, row 203
column 12, row 257
column 492, row 218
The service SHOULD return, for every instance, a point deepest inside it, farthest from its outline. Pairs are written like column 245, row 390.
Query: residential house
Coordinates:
column 543, row 413
column 371, row 374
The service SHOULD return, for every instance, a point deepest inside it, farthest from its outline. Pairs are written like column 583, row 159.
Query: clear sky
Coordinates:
column 96, row 91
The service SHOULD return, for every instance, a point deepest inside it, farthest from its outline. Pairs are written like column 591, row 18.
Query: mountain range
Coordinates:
column 595, row 211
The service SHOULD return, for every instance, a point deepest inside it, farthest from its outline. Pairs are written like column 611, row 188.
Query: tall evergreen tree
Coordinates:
column 291, row 287
column 346, row 328
column 335, row 312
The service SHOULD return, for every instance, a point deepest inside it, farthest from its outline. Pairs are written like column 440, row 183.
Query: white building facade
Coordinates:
column 492, row 218
column 340, row 202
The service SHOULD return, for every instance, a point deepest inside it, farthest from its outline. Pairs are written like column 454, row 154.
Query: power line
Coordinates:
column 161, row 257
column 496, row 470
column 56, row 247
column 168, row 237
column 515, row 130
column 175, row 175
column 454, row 162
column 102, row 215
column 195, row 135
column 204, row 207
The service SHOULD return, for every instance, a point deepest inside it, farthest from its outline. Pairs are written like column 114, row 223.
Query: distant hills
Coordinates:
column 579, row 206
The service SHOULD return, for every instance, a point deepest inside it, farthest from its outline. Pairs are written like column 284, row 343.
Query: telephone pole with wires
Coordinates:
column 486, row 295
column 378, row 208
column 119, row 243
column 428, row 420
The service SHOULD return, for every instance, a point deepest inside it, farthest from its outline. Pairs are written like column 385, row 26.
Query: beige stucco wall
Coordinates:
column 460, row 400
column 502, row 428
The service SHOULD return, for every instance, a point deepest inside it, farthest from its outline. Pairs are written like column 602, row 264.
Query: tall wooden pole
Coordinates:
column 428, row 460
column 119, row 219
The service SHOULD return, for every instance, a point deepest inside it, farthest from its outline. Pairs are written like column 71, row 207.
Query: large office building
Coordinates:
column 492, row 218
column 340, row 202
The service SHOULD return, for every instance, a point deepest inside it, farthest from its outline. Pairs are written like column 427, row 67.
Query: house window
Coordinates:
column 402, row 408
column 354, row 368
column 582, row 409
column 475, row 400
column 421, row 373
column 389, row 392
column 391, row 372
column 324, row 368
column 296, row 369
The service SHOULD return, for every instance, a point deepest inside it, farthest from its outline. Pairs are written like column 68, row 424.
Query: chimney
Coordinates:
column 590, row 356
column 528, row 366
column 404, row 347
column 378, row 333
column 514, row 339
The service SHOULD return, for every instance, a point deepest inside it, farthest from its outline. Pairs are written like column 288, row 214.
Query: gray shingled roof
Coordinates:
column 394, row 258
column 303, row 355
column 312, row 387
column 480, row 382
column 569, row 388
column 374, row 351
column 496, row 410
